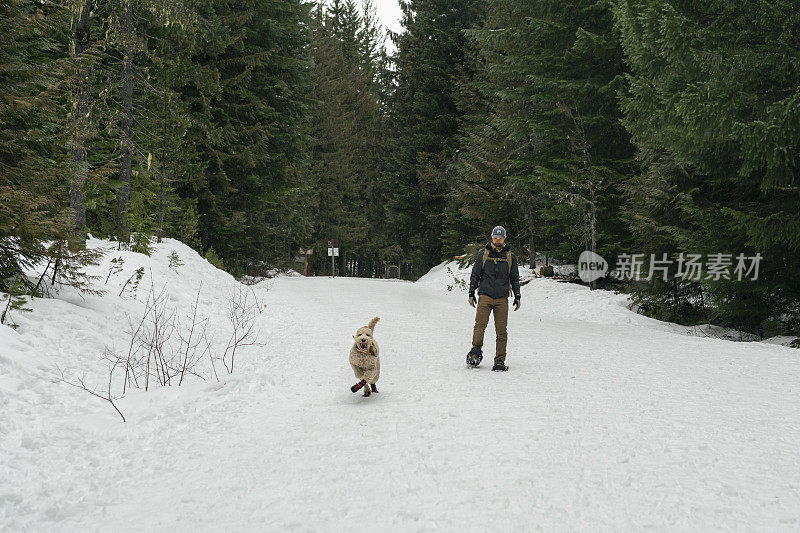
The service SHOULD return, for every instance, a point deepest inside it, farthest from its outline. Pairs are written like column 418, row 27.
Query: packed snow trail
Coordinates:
column 606, row 421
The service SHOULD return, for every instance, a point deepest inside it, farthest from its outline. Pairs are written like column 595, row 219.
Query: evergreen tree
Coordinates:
column 33, row 198
column 36, row 222
column 713, row 105
column 431, row 56
column 548, row 153
column 80, row 46
column 347, row 125
column 248, row 119
column 172, row 161
column 134, row 91
column 113, row 86
column 480, row 197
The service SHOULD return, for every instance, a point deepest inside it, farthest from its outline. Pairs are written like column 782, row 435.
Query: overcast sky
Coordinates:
column 389, row 14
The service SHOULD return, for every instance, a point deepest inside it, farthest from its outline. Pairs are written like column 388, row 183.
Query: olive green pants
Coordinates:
column 499, row 307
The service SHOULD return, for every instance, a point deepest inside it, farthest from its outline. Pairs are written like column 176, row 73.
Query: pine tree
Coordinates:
column 81, row 109
column 431, row 55
column 548, row 154
column 33, row 196
column 135, row 58
column 172, row 160
column 249, row 116
column 713, row 106
column 347, row 125
column 37, row 224
column 106, row 42
column 480, row 197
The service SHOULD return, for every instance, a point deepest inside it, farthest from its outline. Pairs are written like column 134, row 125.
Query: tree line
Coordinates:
column 251, row 129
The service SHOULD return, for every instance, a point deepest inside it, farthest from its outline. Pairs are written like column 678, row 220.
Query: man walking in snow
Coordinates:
column 495, row 275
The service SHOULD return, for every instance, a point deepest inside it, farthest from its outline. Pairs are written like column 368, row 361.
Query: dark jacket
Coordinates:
column 493, row 279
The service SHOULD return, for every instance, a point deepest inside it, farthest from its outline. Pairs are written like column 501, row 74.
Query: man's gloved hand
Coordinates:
column 516, row 302
column 472, row 300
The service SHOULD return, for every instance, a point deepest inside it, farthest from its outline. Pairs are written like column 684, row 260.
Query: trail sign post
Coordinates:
column 306, row 253
column 333, row 253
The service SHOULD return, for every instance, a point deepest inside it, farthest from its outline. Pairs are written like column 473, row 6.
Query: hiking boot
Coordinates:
column 499, row 366
column 475, row 356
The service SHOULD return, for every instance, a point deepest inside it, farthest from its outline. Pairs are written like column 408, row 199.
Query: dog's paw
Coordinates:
column 367, row 391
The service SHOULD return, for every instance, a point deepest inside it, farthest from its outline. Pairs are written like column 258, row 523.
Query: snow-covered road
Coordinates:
column 606, row 421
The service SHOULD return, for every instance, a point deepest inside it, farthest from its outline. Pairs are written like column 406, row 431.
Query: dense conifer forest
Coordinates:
column 256, row 130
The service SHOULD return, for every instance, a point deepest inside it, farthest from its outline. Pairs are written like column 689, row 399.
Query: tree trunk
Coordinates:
column 161, row 191
column 531, row 229
column 593, row 220
column 80, row 96
column 124, row 194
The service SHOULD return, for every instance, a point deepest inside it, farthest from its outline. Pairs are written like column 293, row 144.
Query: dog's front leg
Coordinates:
column 357, row 371
column 370, row 376
column 367, row 390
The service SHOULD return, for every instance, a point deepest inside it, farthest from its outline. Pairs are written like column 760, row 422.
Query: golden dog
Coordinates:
column 364, row 358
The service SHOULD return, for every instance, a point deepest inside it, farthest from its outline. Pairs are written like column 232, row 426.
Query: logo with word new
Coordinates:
column 688, row 267
column 591, row 266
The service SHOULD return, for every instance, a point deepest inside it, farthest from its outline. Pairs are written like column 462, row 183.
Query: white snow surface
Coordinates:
column 606, row 420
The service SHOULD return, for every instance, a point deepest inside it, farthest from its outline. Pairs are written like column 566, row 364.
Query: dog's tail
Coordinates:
column 373, row 322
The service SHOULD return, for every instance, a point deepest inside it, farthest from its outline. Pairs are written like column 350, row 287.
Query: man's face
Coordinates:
column 497, row 242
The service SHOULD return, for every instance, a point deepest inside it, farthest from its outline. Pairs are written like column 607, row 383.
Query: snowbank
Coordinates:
column 73, row 329
column 572, row 301
column 448, row 275
column 66, row 336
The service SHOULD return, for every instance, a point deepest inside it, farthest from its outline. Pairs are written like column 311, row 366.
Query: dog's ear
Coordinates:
column 354, row 336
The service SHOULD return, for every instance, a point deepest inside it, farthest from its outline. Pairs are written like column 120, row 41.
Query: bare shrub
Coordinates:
column 105, row 395
column 166, row 346
column 163, row 347
column 242, row 313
